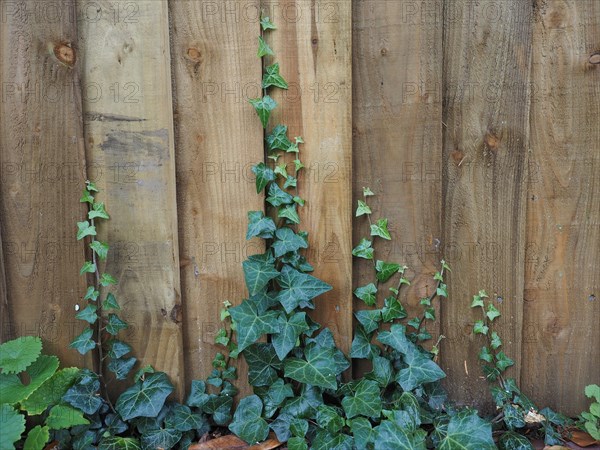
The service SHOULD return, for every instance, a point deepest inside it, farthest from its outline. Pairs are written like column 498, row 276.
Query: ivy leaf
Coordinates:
column 88, row 314
column 20, row 353
column 117, row 349
column 263, row 107
column 51, row 391
column 297, row 443
column 369, row 319
column 273, row 78
column 119, row 443
column 465, row 431
column 110, row 302
column 480, row 328
column 91, row 294
column 98, row 211
column 86, row 197
column 486, row 355
column 380, row 229
column 514, row 441
column 365, row 401
column 87, row 267
column 362, row 209
column 100, row 248
column 181, row 418
column 85, row 229
column 396, row 338
column 107, row 280
column 367, row 294
column 115, row 324
column 289, row 212
column 329, row 419
column 361, row 344
column 316, row 370
column 293, row 182
column 392, row 310
column 36, row 438
column 385, row 270
column 275, row 396
column 266, row 24
column 258, row 271
column 84, row 342
column 259, row 225
column 160, row 438
column 198, row 396
column 83, row 396
column 362, row 431
column 278, row 197
column 247, row 421
column 263, row 176
column 290, row 330
column 263, row 364
column 121, row 367
column 392, row 435
column 495, row 342
column 263, row 48
column 492, row 312
column 503, row 362
column 363, row 249
column 287, row 241
column 477, row 301
column 145, row 398
column 12, row 425
column 367, row 192
column 325, row 440
column 63, row 416
column 420, row 370
column 251, row 325
column 442, row 290
column 298, row 287
column 382, row 371
column 90, row 186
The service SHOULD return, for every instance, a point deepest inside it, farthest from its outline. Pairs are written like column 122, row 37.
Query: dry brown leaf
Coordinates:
column 556, row 447
column 582, row 438
column 533, row 416
column 232, row 442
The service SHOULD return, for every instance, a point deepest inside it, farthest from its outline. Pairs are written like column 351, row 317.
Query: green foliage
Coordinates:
column 18, row 354
column 590, row 420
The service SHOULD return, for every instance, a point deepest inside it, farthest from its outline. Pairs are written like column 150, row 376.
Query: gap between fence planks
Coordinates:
column 485, row 157
column 130, row 148
column 6, row 325
column 561, row 330
column 42, row 161
column 219, row 138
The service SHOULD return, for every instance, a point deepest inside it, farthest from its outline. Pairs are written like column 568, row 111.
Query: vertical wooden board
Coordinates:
column 6, row 325
column 219, row 138
column 561, row 332
column 487, row 50
column 313, row 45
column 42, row 164
column 397, row 130
column 130, row 148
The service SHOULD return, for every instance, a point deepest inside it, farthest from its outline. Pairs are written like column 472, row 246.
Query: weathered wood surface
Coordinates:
column 126, row 74
column 561, row 330
column 397, row 130
column 6, row 325
column 219, row 138
column 485, row 167
column 42, row 162
column 313, row 44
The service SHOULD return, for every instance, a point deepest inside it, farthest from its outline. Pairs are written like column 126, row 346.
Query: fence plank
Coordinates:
column 313, row 44
column 561, row 342
column 219, row 138
column 397, row 129
column 130, row 148
column 6, row 323
column 486, row 64
column 42, row 161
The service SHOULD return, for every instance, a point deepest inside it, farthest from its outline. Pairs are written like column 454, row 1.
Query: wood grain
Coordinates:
column 130, row 147
column 561, row 337
column 487, row 57
column 42, row 162
column 397, row 130
column 313, row 44
column 219, row 138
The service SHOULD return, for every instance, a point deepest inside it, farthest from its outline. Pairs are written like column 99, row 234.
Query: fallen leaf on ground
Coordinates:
column 582, row 438
column 231, row 442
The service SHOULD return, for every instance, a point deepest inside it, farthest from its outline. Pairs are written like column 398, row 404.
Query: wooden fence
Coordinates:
column 476, row 123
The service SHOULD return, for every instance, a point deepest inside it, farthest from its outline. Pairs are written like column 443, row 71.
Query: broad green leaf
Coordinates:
column 369, row 319
column 298, row 165
column 110, row 302
column 91, row 294
column 290, row 213
column 145, row 398
column 362, row 209
column 365, row 401
column 467, row 431
column 263, row 107
column 198, row 396
column 391, row 436
column 298, row 287
column 361, row 344
column 316, row 370
column 503, row 362
column 247, row 421
column 51, row 391
column 263, row 364
column 251, row 325
column 392, row 310
column 275, row 396
column 480, row 327
column 36, row 438
column 117, row 349
column 385, row 270
column 292, row 182
column 305, row 405
column 12, row 425
column 420, row 370
column 84, row 396
column 363, row 249
column 98, row 211
column 363, row 432
column 486, row 355
column 514, row 417
column 161, row 438
column 325, row 440
column 119, row 443
column 263, row 48
column 263, row 176
column 258, row 271
column 592, row 391
column 477, row 301
column 287, row 241
column 442, row 290
column 495, row 342
column 263, row 300
column 115, row 324
column 297, row 443
column 63, row 416
column 266, row 24
column 380, row 229
column 492, row 312
column 107, row 280
column 86, row 197
column 367, row 294
column 329, row 419
column 88, row 314
column 396, row 338
column 278, row 197
column 87, row 267
column 12, row 390
column 382, row 371
column 290, row 330
column 85, row 229
column 121, row 367
column 20, row 353
column 259, row 225
column 273, row 78
column 298, row 427
column 514, row 441
column 100, row 248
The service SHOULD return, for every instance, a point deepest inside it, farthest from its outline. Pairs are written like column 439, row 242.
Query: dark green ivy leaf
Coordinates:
column 258, row 271
column 115, row 324
column 88, row 314
column 390, row 435
column 367, row 294
column 290, row 213
column 392, row 310
column 259, row 225
column 117, row 348
column 503, row 362
column 382, row 371
column 84, row 396
column 385, row 270
column 363, row 249
column 369, row 319
column 110, row 302
column 160, row 438
column 121, row 367
column 278, row 197
column 247, row 421
column 263, row 107
column 84, row 342
column 251, row 325
column 287, row 241
column 181, row 418
column 290, row 330
column 263, row 364
column 329, row 418
column 325, row 440
column 316, row 370
column 278, row 138
column 298, row 287
column 514, row 441
column 420, row 370
column 145, row 398
column 273, row 78
column 380, row 229
column 361, row 344
column 263, row 176
column 363, row 433
column 365, row 400
column 396, row 338
column 465, row 431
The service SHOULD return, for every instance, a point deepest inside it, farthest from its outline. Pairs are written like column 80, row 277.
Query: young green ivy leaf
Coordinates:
column 362, row 209
column 363, row 249
column 266, row 24
column 100, row 248
column 381, row 229
column 98, row 211
column 278, row 138
column 85, row 229
column 88, row 267
column 263, row 107
column 273, row 78
column 263, row 48
column 492, row 312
